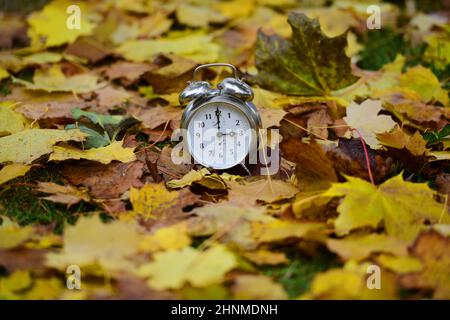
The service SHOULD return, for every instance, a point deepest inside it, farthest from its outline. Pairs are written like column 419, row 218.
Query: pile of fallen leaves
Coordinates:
column 87, row 178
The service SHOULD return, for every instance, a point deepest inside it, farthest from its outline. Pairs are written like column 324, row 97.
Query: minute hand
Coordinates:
column 218, row 117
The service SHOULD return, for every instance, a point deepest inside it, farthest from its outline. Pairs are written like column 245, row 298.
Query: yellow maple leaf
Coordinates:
column 10, row 120
column 280, row 230
column 265, row 257
column 197, row 47
column 424, row 82
column 151, row 197
column 42, row 58
column 53, row 80
column 399, row 139
column 310, row 204
column 350, row 282
column 12, row 235
column 12, row 171
column 91, row 242
column 360, row 247
column 3, row 74
column 433, row 250
column 28, row 145
column 196, row 16
column 49, row 27
column 403, row 206
column 11, row 285
column 254, row 287
column 114, row 151
column 45, row 289
column 230, row 223
column 174, row 268
column 188, row 179
column 166, row 238
column 401, row 265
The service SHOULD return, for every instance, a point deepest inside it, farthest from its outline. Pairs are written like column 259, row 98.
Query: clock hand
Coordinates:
column 218, row 117
column 221, row 134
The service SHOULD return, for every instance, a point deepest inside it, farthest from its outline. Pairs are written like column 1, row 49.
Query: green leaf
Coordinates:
column 95, row 139
column 308, row 64
column 100, row 119
column 433, row 137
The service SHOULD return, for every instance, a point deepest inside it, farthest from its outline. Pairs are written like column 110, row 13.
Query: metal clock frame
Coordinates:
column 246, row 107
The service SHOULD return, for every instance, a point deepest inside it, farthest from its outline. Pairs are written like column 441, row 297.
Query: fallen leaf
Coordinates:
column 403, row 206
column 266, row 257
column 91, row 241
column 11, row 286
column 53, row 80
column 197, row 47
column 310, row 204
column 266, row 190
column 22, row 258
column 174, row 268
column 110, row 97
column 62, row 194
column 105, row 181
column 271, row 117
column 10, row 120
column 3, row 74
column 196, row 16
column 433, row 250
column 300, row 59
column 318, row 122
column 29, row 145
column 152, row 197
column 437, row 51
column 257, row 287
column 12, row 171
column 166, row 238
column 361, row 247
column 88, row 48
column 423, row 81
column 227, row 222
column 399, row 139
column 350, row 283
column 48, row 110
column 364, row 117
column 314, row 170
column 14, row 31
column 42, row 58
column 128, row 71
column 113, row 152
column 187, row 179
column 400, row 265
column 51, row 24
column 153, row 117
column 12, row 235
column 279, row 230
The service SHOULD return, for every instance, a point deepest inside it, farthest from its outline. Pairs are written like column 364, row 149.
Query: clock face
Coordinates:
column 219, row 135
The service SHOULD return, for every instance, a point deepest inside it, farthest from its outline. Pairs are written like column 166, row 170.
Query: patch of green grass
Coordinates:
column 297, row 276
column 19, row 202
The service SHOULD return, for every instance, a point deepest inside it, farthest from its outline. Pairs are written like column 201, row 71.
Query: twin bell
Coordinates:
column 229, row 86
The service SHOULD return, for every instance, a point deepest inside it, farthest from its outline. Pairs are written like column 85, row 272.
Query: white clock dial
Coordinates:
column 219, row 135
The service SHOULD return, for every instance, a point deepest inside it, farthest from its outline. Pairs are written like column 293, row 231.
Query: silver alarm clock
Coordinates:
column 220, row 125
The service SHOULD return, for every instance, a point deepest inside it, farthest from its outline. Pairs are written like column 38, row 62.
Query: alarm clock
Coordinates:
column 219, row 125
